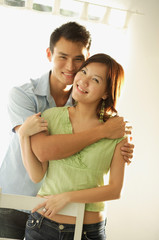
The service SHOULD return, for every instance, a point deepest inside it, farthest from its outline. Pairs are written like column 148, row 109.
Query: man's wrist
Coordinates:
column 102, row 131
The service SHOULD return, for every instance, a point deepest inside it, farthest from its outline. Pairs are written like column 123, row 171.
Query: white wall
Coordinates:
column 136, row 215
column 23, row 41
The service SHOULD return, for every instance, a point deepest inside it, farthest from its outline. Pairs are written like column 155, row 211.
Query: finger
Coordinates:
column 126, row 150
column 41, row 205
column 129, row 145
column 38, row 114
column 42, row 212
column 42, row 120
column 128, row 128
column 44, row 124
column 47, row 197
column 127, row 122
column 48, row 212
column 127, row 160
column 52, row 213
column 43, row 129
column 128, row 132
column 128, row 156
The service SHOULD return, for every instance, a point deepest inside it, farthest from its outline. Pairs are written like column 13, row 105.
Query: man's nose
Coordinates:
column 70, row 65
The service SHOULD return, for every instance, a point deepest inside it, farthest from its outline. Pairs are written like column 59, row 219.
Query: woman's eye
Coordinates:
column 96, row 80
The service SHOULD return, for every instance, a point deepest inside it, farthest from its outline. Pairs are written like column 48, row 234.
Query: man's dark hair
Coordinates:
column 71, row 31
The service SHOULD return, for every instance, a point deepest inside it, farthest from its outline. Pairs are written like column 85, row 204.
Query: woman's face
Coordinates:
column 90, row 83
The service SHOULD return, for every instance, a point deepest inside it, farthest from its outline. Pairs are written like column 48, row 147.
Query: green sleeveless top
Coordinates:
column 83, row 170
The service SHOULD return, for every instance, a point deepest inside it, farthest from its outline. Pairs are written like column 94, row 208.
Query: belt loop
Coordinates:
column 40, row 221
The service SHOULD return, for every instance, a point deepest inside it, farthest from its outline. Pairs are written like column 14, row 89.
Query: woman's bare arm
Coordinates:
column 105, row 193
column 34, row 167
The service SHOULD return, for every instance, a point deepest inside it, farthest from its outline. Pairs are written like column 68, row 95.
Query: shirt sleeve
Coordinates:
column 120, row 139
column 20, row 106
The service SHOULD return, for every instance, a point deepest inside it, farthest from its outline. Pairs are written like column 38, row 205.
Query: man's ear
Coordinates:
column 49, row 54
column 87, row 55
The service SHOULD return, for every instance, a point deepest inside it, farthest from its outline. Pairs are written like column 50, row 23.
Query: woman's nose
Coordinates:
column 85, row 81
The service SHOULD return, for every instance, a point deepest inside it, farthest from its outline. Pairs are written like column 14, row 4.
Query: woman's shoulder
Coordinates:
column 54, row 112
column 54, row 109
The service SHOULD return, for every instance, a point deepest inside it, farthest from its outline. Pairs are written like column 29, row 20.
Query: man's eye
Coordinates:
column 79, row 59
column 83, row 71
column 63, row 57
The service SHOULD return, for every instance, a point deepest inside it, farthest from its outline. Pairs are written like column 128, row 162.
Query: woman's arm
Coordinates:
column 54, row 147
column 108, row 192
column 34, row 167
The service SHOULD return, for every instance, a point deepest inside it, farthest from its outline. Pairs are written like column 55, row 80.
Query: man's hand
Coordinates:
column 116, row 127
column 127, row 151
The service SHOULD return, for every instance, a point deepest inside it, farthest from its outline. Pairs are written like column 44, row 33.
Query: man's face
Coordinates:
column 67, row 58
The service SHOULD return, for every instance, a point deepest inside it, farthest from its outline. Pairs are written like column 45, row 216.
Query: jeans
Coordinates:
column 41, row 228
column 12, row 223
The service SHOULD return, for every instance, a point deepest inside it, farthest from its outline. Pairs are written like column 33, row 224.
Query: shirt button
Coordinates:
column 61, row 227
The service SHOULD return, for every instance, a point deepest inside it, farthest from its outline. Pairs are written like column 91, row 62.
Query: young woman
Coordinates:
column 80, row 177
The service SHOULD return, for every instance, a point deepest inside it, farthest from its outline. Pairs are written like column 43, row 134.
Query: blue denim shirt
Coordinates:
column 24, row 101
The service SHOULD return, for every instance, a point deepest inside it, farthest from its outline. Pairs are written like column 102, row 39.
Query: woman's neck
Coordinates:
column 83, row 117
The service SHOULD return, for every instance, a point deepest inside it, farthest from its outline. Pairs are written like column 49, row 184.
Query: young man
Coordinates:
column 69, row 47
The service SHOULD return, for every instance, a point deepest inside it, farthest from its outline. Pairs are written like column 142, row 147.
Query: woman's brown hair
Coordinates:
column 114, row 81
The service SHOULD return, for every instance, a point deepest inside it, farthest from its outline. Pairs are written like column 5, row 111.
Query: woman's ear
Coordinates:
column 104, row 96
column 49, row 54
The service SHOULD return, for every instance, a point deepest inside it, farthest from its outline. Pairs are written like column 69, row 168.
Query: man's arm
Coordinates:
column 54, row 147
column 20, row 106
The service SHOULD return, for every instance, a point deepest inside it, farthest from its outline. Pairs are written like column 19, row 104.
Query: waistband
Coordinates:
column 63, row 226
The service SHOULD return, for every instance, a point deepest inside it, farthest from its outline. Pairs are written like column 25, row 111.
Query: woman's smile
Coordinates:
column 80, row 89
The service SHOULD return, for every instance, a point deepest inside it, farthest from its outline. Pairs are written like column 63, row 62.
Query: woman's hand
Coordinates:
column 32, row 125
column 53, row 204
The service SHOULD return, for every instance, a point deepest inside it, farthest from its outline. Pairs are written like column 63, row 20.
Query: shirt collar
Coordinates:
column 42, row 88
column 43, row 85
